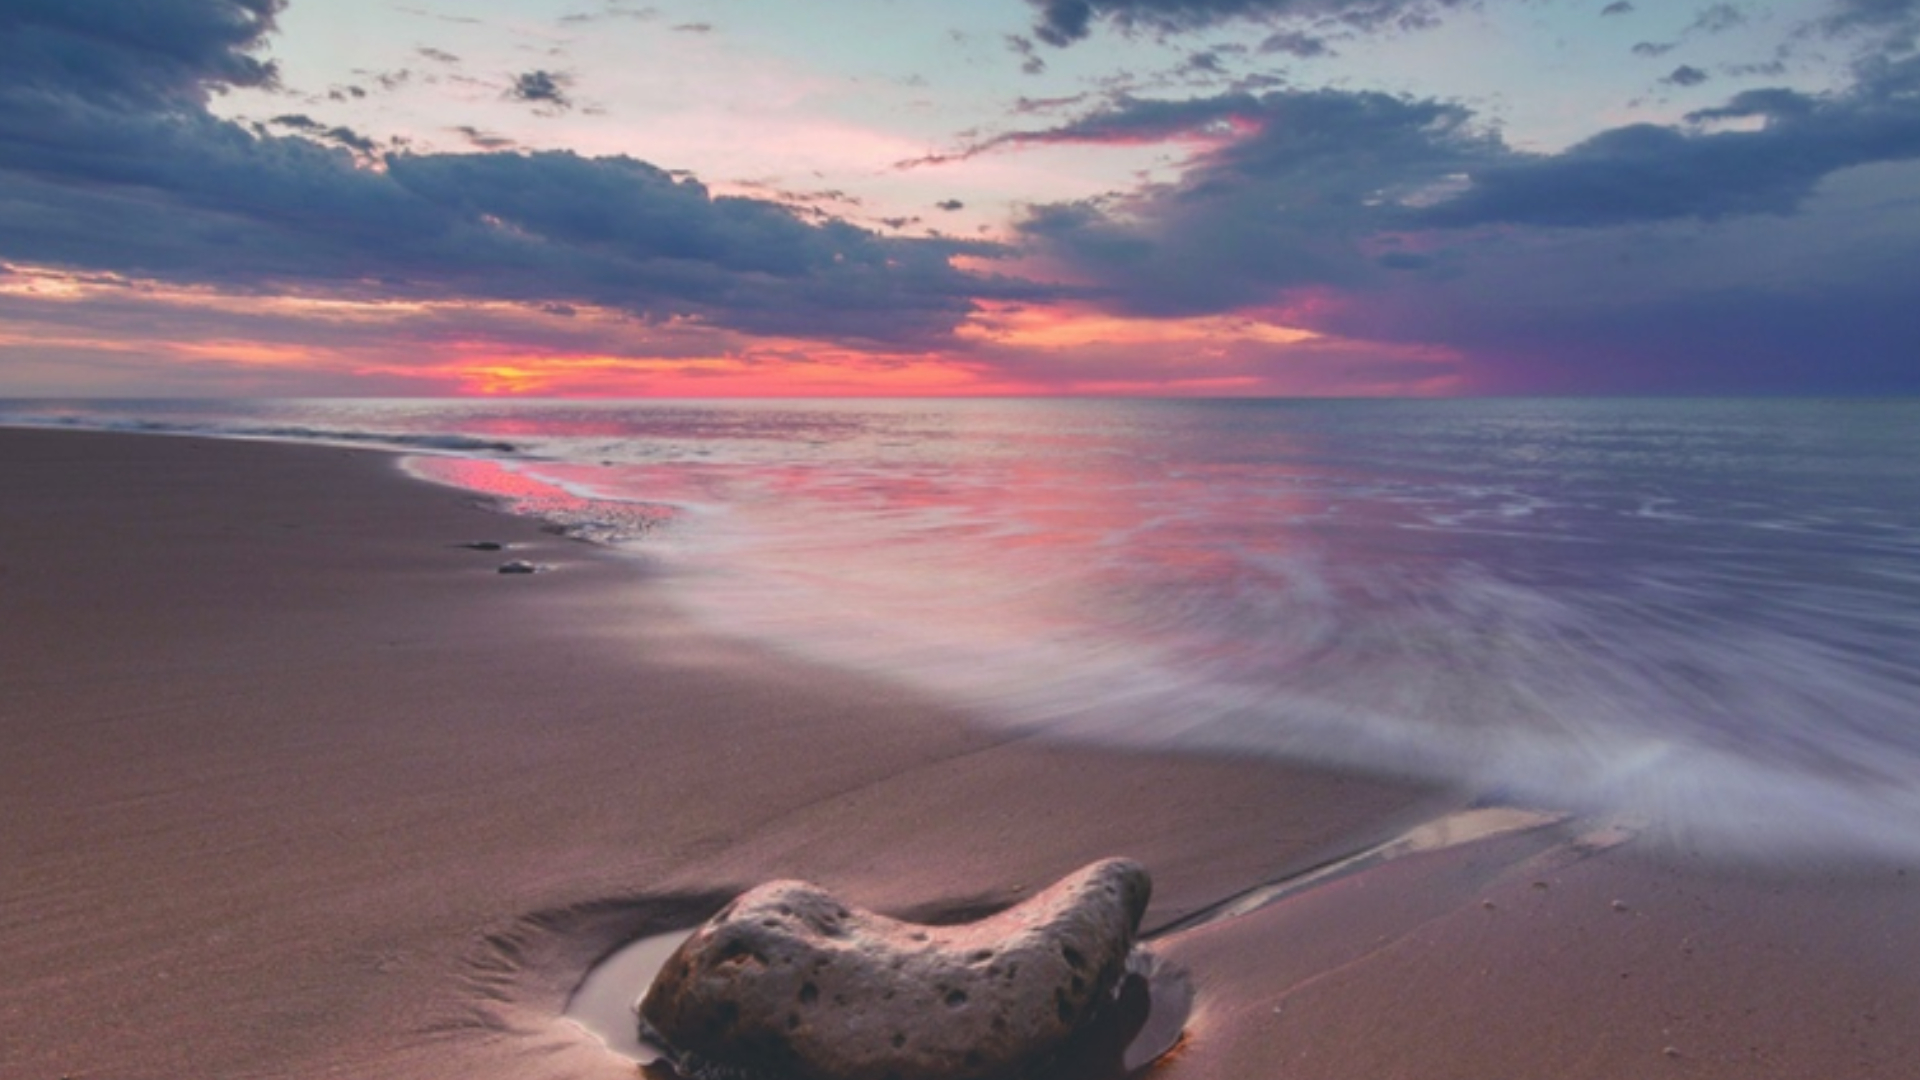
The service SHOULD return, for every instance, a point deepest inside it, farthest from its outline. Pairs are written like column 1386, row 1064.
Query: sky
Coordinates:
column 632, row 198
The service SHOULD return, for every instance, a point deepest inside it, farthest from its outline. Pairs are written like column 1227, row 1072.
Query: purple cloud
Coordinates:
column 1063, row 22
column 109, row 161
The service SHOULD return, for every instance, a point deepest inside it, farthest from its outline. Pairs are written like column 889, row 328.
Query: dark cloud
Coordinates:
column 1758, row 69
column 484, row 140
column 314, row 129
column 1646, row 172
column 1848, row 16
column 614, row 10
column 388, row 80
column 1717, row 19
column 1296, row 43
column 1128, row 120
column 1029, row 54
column 1714, row 19
column 145, row 52
column 1685, row 75
column 544, row 88
column 1281, row 202
column 1027, row 106
column 109, row 163
column 1430, row 229
column 1063, row 22
column 950, row 205
column 1618, row 7
column 298, row 122
column 694, row 28
column 1205, row 62
column 1772, row 103
column 438, row 55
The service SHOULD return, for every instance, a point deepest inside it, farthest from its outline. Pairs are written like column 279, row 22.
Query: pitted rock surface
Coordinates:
column 789, row 981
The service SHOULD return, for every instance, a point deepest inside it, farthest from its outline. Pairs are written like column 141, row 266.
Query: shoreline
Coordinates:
column 300, row 787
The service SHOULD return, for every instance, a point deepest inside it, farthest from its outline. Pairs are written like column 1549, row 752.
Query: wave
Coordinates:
column 1699, row 613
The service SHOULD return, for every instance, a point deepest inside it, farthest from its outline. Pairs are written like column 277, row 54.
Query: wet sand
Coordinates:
column 295, row 786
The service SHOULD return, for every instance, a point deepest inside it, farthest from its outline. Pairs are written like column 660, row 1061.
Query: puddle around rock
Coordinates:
column 1148, row 1014
column 603, row 1002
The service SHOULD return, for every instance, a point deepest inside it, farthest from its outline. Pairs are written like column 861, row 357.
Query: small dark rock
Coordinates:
column 484, row 545
column 518, row 566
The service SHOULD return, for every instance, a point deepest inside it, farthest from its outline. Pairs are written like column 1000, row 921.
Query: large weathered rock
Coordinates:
column 789, row 981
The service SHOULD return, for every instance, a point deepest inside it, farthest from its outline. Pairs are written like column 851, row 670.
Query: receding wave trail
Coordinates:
column 1704, row 613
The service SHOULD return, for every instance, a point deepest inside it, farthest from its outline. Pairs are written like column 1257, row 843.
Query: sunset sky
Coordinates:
column 640, row 197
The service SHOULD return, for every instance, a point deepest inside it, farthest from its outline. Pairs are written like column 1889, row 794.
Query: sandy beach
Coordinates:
column 296, row 785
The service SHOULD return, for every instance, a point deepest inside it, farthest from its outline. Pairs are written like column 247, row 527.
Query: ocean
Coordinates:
column 1701, row 616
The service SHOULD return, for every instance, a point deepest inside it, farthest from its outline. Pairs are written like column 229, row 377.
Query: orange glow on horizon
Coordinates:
column 799, row 370
column 1070, row 327
column 323, row 344
column 243, row 353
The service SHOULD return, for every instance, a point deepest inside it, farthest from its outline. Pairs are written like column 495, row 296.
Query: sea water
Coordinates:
column 1702, row 613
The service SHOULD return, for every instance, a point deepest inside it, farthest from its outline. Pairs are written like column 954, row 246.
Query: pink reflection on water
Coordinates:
column 551, row 497
column 981, row 565
column 521, row 492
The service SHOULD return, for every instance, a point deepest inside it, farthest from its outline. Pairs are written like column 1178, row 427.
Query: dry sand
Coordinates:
column 294, row 786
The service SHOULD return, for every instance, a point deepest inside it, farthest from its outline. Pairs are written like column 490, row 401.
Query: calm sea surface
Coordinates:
column 1703, row 613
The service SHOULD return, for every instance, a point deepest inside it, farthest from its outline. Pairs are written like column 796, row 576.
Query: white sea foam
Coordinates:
column 1705, row 614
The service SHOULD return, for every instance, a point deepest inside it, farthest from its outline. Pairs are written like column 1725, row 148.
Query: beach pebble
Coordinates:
column 484, row 545
column 518, row 566
column 789, row 981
